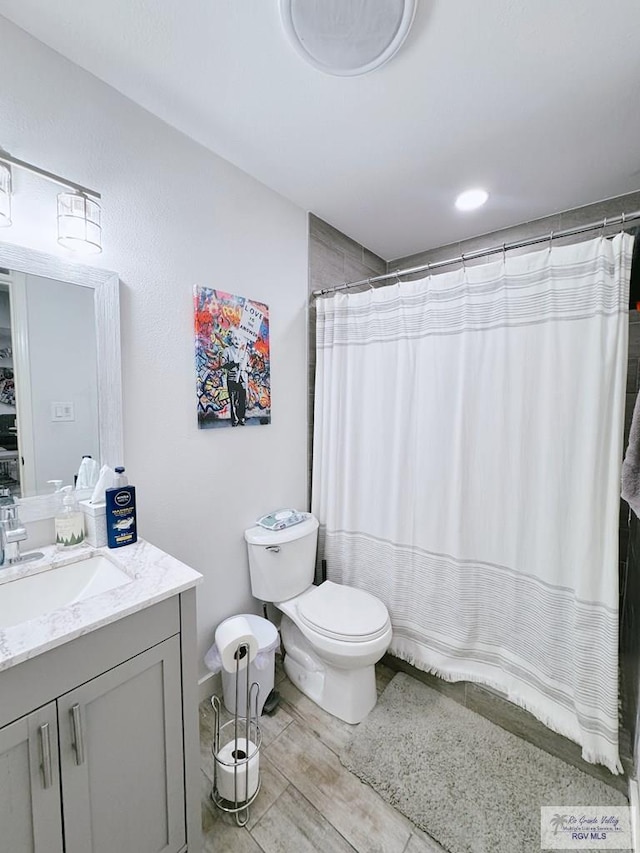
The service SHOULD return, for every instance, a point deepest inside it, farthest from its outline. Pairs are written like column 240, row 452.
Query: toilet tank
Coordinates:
column 282, row 562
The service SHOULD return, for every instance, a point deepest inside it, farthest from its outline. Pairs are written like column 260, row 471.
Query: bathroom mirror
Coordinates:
column 89, row 412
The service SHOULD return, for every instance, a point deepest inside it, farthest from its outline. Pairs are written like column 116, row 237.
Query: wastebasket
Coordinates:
column 261, row 669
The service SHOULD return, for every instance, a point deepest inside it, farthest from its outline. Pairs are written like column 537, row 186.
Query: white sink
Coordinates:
column 35, row 595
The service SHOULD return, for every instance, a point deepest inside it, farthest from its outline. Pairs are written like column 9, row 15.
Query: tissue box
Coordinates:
column 95, row 523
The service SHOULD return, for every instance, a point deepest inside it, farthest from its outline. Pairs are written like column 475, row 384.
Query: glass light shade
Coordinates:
column 5, row 195
column 79, row 226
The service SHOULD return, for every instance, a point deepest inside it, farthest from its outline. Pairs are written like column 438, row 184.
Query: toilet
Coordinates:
column 333, row 635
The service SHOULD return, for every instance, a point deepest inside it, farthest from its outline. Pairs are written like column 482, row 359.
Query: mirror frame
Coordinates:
column 109, row 374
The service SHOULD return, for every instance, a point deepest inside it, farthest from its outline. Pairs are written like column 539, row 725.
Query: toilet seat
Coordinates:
column 343, row 613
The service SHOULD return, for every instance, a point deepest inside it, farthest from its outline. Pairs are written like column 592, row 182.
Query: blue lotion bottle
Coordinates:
column 121, row 512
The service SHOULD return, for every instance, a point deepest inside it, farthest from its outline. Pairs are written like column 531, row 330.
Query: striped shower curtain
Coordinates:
column 467, row 448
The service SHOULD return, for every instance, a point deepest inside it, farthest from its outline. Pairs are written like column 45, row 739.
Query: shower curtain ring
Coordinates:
column 604, row 225
column 504, row 253
column 369, row 283
column 623, row 217
column 429, row 273
column 464, row 262
column 550, row 239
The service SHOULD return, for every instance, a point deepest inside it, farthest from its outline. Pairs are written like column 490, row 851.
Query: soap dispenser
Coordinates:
column 69, row 521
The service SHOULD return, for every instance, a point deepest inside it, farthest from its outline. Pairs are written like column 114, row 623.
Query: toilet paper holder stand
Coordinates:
column 245, row 735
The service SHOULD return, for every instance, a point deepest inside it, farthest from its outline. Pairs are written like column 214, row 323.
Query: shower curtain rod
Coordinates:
column 623, row 219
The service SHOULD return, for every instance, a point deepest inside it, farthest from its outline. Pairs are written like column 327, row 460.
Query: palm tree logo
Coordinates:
column 557, row 821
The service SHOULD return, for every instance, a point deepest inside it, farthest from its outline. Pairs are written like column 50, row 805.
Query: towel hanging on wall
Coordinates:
column 631, row 465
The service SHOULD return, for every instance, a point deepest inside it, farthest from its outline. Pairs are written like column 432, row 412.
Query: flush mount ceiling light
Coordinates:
column 347, row 37
column 79, row 226
column 471, row 199
column 5, row 195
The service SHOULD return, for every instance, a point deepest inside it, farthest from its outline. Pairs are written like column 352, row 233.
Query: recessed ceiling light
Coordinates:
column 470, row 199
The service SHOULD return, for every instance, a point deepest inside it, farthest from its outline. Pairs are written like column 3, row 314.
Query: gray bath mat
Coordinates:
column 469, row 784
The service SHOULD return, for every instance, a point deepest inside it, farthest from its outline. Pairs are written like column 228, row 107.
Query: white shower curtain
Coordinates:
column 467, row 450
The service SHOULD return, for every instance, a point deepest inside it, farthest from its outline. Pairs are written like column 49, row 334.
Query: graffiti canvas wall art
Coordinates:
column 232, row 359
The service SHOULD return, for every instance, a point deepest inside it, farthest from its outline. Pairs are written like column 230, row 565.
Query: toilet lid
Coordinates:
column 343, row 612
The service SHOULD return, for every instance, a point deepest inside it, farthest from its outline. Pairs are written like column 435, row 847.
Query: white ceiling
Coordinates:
column 536, row 100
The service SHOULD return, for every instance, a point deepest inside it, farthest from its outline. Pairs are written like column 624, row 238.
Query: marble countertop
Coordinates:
column 155, row 576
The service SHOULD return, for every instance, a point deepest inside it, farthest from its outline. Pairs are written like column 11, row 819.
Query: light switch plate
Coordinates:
column 62, row 412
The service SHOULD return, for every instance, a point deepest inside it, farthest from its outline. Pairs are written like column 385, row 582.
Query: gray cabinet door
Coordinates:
column 122, row 759
column 30, row 817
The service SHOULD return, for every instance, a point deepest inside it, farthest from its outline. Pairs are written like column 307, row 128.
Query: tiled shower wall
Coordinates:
column 334, row 258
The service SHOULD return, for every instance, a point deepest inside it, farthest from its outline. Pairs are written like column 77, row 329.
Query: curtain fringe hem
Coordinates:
column 589, row 755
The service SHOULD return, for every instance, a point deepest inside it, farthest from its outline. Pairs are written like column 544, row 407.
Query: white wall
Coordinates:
column 175, row 215
column 62, row 362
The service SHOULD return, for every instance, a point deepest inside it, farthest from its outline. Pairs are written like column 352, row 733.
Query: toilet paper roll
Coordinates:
column 231, row 634
column 228, row 767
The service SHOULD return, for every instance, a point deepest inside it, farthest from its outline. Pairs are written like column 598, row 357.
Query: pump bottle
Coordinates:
column 69, row 521
column 121, row 512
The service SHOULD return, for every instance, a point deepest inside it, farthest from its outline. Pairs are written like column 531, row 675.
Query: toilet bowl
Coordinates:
column 332, row 634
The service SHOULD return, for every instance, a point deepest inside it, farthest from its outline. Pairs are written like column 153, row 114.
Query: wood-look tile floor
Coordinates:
column 308, row 801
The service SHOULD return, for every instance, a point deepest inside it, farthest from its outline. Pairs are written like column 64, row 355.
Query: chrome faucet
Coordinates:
column 12, row 533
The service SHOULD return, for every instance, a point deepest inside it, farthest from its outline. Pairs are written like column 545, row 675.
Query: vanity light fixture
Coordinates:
column 471, row 199
column 79, row 227
column 5, row 195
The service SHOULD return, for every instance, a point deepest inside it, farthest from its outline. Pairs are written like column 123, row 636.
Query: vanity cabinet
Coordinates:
column 30, row 809
column 110, row 765
column 121, row 757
